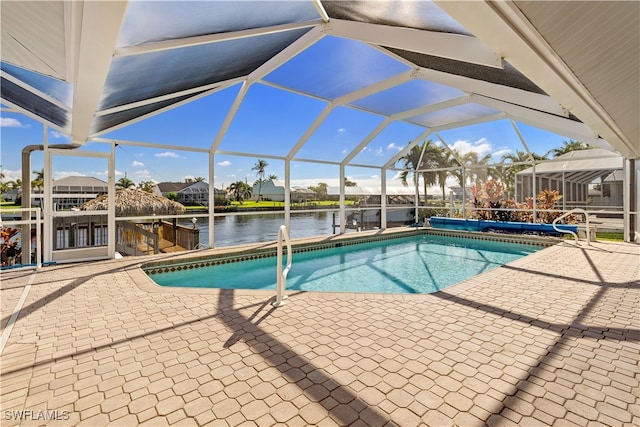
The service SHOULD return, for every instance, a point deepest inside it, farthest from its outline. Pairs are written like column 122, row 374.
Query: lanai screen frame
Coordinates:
column 540, row 110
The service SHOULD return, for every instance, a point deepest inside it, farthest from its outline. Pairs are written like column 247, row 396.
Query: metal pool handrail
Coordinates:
column 283, row 234
column 576, row 210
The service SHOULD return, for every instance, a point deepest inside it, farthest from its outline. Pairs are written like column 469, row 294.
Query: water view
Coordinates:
column 239, row 229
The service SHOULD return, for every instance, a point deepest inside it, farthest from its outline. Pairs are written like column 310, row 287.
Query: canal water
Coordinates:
column 239, row 229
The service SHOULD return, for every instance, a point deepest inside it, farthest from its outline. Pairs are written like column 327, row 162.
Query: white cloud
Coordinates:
column 379, row 152
column 137, row 164
column 169, row 154
column 342, row 130
column 56, row 135
column 10, row 122
column 11, row 175
column 142, row 174
column 224, row 163
column 393, row 146
column 481, row 146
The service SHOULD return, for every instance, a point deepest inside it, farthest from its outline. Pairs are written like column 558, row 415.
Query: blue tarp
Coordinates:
column 486, row 225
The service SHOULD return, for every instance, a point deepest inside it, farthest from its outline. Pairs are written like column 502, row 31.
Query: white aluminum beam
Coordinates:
column 35, row 91
column 350, row 97
column 18, row 109
column 502, row 26
column 470, row 122
column 216, row 87
column 403, row 115
column 406, row 149
column 98, row 36
column 366, row 141
column 149, row 145
column 283, row 56
column 542, row 120
column 525, row 98
column 259, row 155
column 287, row 53
column 453, row 46
column 211, row 38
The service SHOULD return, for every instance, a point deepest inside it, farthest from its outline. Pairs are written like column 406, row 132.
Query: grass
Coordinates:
column 9, row 205
column 611, row 236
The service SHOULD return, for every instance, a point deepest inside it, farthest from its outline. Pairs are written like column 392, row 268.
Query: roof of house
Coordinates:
column 80, row 181
column 578, row 166
column 168, row 187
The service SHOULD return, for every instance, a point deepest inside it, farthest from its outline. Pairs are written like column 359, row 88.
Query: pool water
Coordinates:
column 421, row 264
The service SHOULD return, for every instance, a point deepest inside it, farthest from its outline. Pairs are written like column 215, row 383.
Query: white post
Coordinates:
column 383, row 199
column 212, row 199
column 343, row 216
column 287, row 193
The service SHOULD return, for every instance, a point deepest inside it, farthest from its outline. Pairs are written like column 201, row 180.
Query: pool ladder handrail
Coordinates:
column 575, row 236
column 283, row 234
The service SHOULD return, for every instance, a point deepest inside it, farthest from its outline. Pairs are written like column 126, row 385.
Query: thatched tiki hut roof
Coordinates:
column 135, row 202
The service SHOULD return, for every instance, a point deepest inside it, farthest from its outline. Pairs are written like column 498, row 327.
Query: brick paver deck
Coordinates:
column 551, row 339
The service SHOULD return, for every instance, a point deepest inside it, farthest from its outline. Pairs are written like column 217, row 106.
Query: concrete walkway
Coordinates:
column 551, row 339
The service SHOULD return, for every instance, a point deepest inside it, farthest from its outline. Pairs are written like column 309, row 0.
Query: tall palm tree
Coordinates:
column 443, row 159
column 259, row 168
column 566, row 147
column 474, row 175
column 125, row 182
column 240, row 191
column 411, row 162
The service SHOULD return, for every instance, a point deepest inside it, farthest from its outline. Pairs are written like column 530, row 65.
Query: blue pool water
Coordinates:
column 421, row 264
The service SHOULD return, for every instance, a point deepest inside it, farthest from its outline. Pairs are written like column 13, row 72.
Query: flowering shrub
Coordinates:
column 490, row 206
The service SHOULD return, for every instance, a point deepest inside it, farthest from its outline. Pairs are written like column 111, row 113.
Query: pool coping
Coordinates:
column 141, row 278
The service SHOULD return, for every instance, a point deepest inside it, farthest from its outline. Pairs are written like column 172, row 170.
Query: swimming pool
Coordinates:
column 418, row 264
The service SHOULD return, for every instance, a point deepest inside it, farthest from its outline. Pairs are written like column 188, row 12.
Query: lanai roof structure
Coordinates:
column 87, row 68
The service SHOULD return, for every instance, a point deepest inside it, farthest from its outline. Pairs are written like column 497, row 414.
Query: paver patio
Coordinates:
column 551, row 339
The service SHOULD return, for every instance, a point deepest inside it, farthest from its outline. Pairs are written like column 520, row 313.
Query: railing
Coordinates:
column 575, row 236
column 186, row 237
column 132, row 239
column 282, row 274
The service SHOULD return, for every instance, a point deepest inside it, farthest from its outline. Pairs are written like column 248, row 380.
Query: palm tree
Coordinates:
column 38, row 182
column 320, row 189
column 194, row 179
column 125, row 182
column 260, row 167
column 146, row 186
column 273, row 176
column 240, row 191
column 509, row 172
column 411, row 161
column 566, row 147
column 444, row 159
